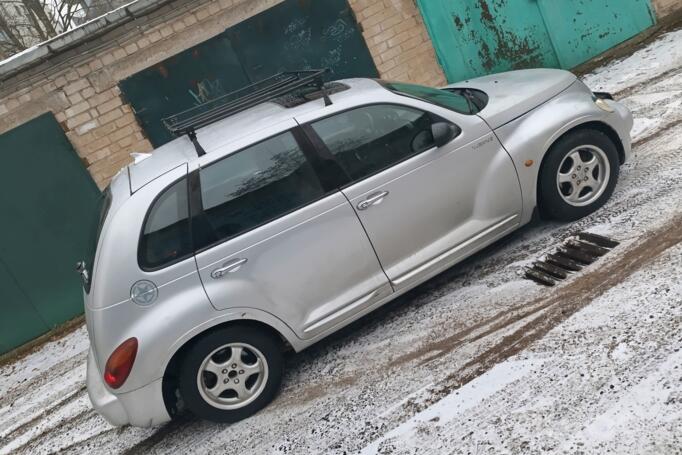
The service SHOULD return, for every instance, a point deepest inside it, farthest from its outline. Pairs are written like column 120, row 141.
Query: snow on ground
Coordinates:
column 607, row 380
column 654, row 60
column 438, row 370
column 651, row 80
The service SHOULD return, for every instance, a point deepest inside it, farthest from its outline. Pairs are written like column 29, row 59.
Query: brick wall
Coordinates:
column 398, row 41
column 80, row 86
column 666, row 7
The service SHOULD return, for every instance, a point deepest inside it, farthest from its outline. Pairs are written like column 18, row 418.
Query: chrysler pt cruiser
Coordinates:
column 286, row 210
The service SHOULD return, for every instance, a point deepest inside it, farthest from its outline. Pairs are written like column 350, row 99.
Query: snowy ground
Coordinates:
column 476, row 360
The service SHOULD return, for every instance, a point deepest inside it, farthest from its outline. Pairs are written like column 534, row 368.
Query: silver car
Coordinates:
column 284, row 212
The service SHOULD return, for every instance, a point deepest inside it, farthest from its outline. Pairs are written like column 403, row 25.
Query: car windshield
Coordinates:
column 96, row 223
column 454, row 101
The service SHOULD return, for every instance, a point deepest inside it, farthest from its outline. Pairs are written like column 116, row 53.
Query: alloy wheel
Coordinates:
column 583, row 175
column 232, row 376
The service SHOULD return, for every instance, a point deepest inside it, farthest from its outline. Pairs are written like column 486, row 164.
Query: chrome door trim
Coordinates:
column 509, row 222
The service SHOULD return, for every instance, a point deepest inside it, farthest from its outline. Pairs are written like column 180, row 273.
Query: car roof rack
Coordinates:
column 188, row 121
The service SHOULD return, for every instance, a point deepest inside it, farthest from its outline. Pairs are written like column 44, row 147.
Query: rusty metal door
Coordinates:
column 594, row 26
column 476, row 37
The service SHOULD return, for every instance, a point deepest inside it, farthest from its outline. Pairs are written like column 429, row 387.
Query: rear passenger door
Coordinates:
column 276, row 237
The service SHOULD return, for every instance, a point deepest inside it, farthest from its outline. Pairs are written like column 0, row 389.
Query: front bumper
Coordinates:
column 143, row 407
column 623, row 123
column 626, row 129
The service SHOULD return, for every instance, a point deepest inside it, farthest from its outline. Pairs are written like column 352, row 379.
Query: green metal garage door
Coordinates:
column 476, row 37
column 47, row 198
column 293, row 35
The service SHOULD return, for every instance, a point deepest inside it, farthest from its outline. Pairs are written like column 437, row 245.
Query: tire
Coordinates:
column 231, row 355
column 565, row 187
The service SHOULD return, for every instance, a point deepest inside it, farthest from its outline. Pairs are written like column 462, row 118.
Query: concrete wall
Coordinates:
column 80, row 86
column 666, row 7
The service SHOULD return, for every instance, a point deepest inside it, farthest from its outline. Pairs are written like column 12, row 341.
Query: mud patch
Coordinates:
column 543, row 314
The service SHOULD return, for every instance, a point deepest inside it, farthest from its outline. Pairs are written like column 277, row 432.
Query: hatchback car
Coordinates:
column 287, row 210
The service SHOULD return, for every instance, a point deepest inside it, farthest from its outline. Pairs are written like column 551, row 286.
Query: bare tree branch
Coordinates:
column 24, row 23
column 37, row 9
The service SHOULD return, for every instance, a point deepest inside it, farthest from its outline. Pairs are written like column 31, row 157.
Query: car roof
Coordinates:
column 231, row 129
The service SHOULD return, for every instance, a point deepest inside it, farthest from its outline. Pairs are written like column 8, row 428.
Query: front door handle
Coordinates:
column 373, row 199
column 228, row 267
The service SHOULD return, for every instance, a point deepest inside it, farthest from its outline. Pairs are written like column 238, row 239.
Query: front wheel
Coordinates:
column 578, row 175
column 231, row 373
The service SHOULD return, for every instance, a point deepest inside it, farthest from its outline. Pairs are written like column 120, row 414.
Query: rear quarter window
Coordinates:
column 166, row 235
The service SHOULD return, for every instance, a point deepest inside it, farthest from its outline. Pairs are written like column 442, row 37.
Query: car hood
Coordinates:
column 514, row 93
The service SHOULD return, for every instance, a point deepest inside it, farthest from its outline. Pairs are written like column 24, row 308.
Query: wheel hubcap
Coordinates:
column 232, row 376
column 583, row 175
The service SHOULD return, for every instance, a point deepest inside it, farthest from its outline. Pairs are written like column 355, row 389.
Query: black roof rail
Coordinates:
column 188, row 121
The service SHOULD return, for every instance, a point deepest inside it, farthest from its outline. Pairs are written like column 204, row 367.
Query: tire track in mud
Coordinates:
column 73, row 422
column 548, row 312
column 54, row 407
column 640, row 87
column 49, row 375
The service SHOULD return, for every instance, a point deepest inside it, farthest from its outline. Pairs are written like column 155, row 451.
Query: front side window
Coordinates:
column 369, row 139
column 255, row 186
column 166, row 233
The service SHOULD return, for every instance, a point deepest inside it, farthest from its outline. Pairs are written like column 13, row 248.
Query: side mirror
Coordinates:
column 444, row 132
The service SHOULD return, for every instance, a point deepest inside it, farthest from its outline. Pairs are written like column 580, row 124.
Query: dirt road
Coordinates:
column 477, row 360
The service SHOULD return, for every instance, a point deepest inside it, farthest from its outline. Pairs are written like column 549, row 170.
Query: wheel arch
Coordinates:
column 595, row 125
column 169, row 382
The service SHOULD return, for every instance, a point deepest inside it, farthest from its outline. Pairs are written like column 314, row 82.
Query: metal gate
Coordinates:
column 47, row 199
column 293, row 35
column 476, row 37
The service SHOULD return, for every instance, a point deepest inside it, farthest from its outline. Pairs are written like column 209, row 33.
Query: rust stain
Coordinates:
column 519, row 52
column 458, row 23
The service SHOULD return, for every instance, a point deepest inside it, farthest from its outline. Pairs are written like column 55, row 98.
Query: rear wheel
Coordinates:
column 231, row 373
column 578, row 175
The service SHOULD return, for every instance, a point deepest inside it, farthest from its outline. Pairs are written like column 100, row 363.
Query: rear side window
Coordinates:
column 255, row 186
column 369, row 139
column 166, row 234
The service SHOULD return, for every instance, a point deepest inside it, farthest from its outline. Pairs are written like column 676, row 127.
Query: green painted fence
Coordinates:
column 293, row 35
column 476, row 37
column 47, row 199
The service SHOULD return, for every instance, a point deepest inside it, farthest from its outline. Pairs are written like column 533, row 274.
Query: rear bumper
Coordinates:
column 143, row 407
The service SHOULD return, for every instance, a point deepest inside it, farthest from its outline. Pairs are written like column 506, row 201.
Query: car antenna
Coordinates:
column 193, row 137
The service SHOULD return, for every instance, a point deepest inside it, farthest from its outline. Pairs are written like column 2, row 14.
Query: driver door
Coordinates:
column 423, row 207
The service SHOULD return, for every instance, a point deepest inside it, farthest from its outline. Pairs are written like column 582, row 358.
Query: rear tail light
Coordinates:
column 120, row 363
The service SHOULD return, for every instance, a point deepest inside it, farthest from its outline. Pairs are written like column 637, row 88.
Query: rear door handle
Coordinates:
column 228, row 267
column 373, row 199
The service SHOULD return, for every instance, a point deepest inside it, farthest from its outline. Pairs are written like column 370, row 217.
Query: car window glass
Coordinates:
column 256, row 185
column 371, row 138
column 453, row 100
column 166, row 234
